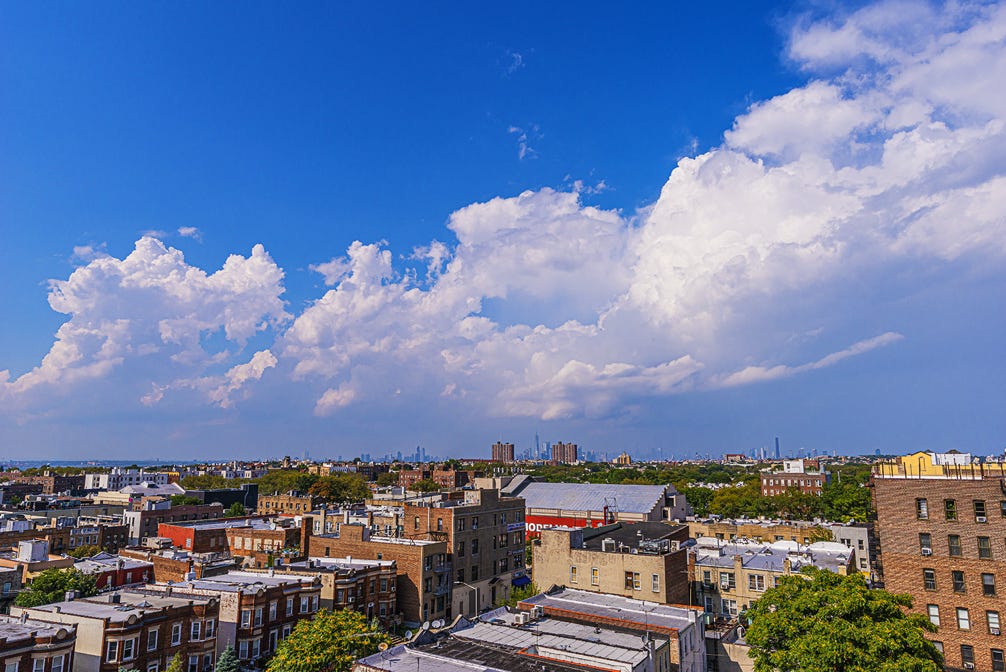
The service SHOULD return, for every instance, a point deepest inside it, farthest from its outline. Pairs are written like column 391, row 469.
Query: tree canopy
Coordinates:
column 425, row 485
column 824, row 622
column 228, row 661
column 387, row 478
column 330, row 642
column 234, row 510
column 52, row 585
column 182, row 500
column 341, row 488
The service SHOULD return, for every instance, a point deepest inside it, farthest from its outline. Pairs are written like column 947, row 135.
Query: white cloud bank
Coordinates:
column 891, row 155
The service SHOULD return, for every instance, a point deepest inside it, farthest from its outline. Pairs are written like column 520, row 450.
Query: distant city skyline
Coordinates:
column 672, row 231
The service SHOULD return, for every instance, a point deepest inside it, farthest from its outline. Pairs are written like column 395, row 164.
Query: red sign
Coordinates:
column 536, row 524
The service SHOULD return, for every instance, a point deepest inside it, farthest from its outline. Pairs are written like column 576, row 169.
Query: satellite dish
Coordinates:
column 383, row 646
column 425, row 626
column 408, row 634
column 439, row 623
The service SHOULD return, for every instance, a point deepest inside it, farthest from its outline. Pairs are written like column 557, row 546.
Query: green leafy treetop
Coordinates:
column 330, row 642
column 228, row 661
column 425, row 485
column 52, row 585
column 824, row 622
column 176, row 664
column 236, row 509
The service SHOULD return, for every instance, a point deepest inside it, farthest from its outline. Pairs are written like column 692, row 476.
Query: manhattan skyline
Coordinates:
column 669, row 231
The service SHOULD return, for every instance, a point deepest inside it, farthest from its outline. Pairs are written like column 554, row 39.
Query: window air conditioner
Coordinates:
column 969, row 666
column 993, row 631
column 981, row 519
column 927, row 551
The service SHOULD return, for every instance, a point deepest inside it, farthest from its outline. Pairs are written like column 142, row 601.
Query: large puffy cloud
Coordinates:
column 150, row 314
column 868, row 167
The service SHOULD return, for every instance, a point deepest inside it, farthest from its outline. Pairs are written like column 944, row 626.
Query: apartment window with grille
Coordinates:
column 998, row 662
column 984, row 548
column 981, row 514
column 992, row 618
column 922, row 508
column 988, row 584
column 925, row 543
column 934, row 614
column 950, row 508
column 963, row 619
column 929, row 579
column 958, row 580
column 954, row 544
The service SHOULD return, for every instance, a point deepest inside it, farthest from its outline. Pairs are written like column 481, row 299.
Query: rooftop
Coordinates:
column 335, row 564
column 592, row 497
column 13, row 629
column 243, row 582
column 635, row 612
column 770, row 557
column 256, row 523
column 130, row 602
column 633, row 535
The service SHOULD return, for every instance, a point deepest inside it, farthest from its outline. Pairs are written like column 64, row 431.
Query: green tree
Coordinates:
column 387, row 478
column 699, row 498
column 228, row 661
column 83, row 552
column 847, row 497
column 518, row 595
column 182, row 500
column 821, row 622
column 285, row 480
column 341, row 488
column 425, row 485
column 330, row 642
column 52, row 585
column 236, row 509
column 176, row 664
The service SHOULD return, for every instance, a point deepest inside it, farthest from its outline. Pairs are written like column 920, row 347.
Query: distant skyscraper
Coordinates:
column 502, row 452
column 564, row 453
column 778, row 456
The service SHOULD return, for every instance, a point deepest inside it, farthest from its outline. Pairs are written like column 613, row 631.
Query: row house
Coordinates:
column 112, row 571
column 367, row 586
column 257, row 610
column 135, row 629
column 144, row 522
column 36, row 646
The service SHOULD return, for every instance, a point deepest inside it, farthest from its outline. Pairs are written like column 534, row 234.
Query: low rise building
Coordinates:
column 729, row 576
column 118, row 478
column 424, row 570
column 802, row 475
column 257, row 537
column 39, row 646
column 637, row 560
column 145, row 522
column 112, row 571
column 134, row 629
column 367, row 586
column 291, row 503
column 256, row 610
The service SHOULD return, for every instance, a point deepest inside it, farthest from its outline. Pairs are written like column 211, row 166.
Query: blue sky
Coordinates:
column 669, row 230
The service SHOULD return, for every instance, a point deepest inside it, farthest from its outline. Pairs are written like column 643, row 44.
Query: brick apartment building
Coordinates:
column 256, row 610
column 802, row 475
column 36, row 645
column 291, row 503
column 643, row 561
column 943, row 538
column 485, row 540
column 170, row 564
column 502, row 452
column 564, row 453
column 424, row 570
column 134, row 629
column 53, row 484
column 250, row 536
column 144, row 523
column 111, row 571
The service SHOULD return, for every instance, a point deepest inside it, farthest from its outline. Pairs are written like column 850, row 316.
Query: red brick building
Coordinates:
column 22, row 643
column 111, row 571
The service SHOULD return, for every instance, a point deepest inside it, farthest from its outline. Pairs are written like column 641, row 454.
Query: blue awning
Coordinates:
column 520, row 581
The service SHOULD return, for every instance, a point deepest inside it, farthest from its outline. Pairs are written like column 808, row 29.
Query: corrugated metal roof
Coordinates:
column 592, row 496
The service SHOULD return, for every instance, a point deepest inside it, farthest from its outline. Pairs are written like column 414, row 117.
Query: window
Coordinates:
column 963, row 619
column 988, row 584
column 7, row 585
column 461, row 524
column 243, row 649
column 958, row 579
column 475, row 546
column 922, row 508
column 655, row 583
column 289, row 606
column 38, row 665
column 709, row 604
column 925, row 543
column 304, row 602
column 934, row 614
column 475, row 572
column 595, row 576
column 707, row 576
column 998, row 662
column 256, row 648
column 729, row 608
column 196, row 631
column 10, row 666
column 128, row 649
column 968, row 655
column 209, row 628
column 246, row 618
column 460, row 549
column 440, row 524
column 950, row 508
column 57, row 663
column 992, row 618
column 112, row 651
column 572, row 573
column 460, row 579
column 981, row 514
column 929, row 579
column 286, row 631
column 756, row 582
column 153, row 666
column 176, row 634
column 954, row 544
column 984, row 548
column 258, row 616
column 727, row 581
column 193, row 664
column 152, row 640
column 415, row 522
column 939, row 647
